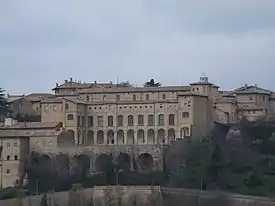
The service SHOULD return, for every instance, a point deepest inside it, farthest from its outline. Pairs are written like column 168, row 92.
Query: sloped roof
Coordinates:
column 28, row 133
column 249, row 107
column 136, row 89
column 81, row 85
column 12, row 98
column 38, row 96
column 252, row 90
column 30, row 125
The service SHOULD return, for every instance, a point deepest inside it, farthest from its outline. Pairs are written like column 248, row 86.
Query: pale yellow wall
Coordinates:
column 128, row 96
column 272, row 105
column 52, row 112
column 45, row 143
column 36, row 107
column 225, row 112
column 11, row 150
column 251, row 115
column 202, row 111
column 257, row 99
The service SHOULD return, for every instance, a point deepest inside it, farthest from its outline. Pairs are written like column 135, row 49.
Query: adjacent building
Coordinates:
column 17, row 140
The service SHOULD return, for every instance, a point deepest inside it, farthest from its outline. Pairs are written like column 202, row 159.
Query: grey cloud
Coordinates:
column 43, row 42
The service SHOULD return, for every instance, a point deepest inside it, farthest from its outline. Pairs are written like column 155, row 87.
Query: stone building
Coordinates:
column 27, row 104
column 17, row 140
column 103, row 120
column 114, row 114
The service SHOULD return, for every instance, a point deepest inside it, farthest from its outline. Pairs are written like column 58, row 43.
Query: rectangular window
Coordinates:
column 70, row 116
column 67, row 106
column 90, row 121
column 117, row 97
column 100, row 121
column 134, row 97
column 82, row 121
column 147, row 96
column 140, row 120
column 78, row 121
column 163, row 96
column 54, row 108
column 151, row 121
column 110, row 121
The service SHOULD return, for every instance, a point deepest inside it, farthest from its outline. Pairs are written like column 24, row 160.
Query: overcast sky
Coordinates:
column 174, row 41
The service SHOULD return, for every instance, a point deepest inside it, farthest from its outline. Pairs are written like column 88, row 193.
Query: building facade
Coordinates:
column 121, row 119
column 117, row 114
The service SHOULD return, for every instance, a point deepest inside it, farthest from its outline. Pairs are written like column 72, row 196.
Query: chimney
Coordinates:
column 66, row 81
column 111, row 82
column 245, row 86
column 8, row 95
column 71, row 79
column 256, row 85
column 56, row 84
column 95, row 82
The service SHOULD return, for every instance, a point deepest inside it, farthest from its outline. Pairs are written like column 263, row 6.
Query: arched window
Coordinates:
column 120, row 120
column 151, row 121
column 130, row 120
column 140, row 120
column 171, row 119
column 110, row 121
column 161, row 120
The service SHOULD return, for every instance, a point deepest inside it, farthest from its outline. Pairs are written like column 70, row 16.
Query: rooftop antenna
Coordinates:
column 117, row 80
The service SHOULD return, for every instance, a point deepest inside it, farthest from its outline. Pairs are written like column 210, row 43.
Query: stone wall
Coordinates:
column 176, row 197
column 170, row 196
column 92, row 152
column 128, row 193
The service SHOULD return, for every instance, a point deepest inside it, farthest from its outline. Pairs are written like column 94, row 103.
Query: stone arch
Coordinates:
column 90, row 138
column 45, row 165
column 66, row 139
column 120, row 136
column 70, row 133
column 110, row 137
column 150, row 136
column 130, row 136
column 100, row 137
column 80, row 166
column 171, row 134
column 140, row 136
column 124, row 162
column 63, row 166
column 161, row 136
column 103, row 163
column 145, row 162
